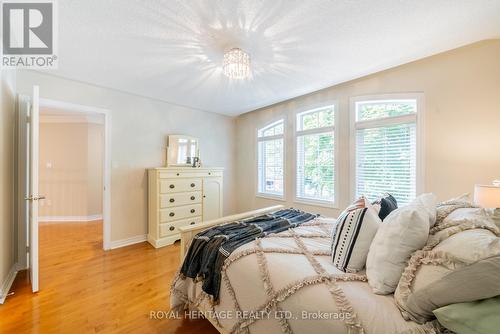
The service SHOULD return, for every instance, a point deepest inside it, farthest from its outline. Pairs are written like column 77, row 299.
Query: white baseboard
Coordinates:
column 70, row 219
column 7, row 283
column 128, row 241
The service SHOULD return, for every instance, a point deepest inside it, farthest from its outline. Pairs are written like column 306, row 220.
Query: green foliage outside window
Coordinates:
column 316, row 155
column 375, row 110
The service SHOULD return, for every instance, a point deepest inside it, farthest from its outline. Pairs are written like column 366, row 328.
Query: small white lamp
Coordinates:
column 488, row 196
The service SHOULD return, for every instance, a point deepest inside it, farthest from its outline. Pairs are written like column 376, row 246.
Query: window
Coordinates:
column 386, row 148
column 270, row 159
column 316, row 155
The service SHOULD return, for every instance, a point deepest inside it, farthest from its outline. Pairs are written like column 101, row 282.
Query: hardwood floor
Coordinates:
column 84, row 289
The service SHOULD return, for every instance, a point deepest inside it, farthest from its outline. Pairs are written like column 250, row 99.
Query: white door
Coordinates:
column 33, row 196
column 212, row 198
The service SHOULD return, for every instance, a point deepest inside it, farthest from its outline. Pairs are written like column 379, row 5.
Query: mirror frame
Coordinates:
column 170, row 155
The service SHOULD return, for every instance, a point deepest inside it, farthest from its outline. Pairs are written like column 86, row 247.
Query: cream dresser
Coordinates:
column 180, row 196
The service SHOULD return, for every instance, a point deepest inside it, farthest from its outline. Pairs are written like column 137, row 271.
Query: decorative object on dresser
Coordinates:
column 180, row 196
column 183, row 151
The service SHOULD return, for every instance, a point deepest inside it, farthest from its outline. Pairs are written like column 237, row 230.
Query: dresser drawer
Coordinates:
column 167, row 229
column 189, row 173
column 178, row 199
column 181, row 212
column 179, row 185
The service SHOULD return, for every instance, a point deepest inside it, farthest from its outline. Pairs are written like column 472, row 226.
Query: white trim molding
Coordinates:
column 69, row 219
column 336, row 151
column 270, row 197
column 128, row 241
column 262, row 194
column 7, row 282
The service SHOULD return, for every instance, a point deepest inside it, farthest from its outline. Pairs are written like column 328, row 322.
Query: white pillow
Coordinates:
column 428, row 203
column 403, row 231
column 352, row 237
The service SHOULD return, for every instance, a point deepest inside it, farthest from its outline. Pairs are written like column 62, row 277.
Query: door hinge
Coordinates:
column 27, row 249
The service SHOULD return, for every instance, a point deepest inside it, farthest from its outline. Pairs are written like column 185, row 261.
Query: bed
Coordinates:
column 286, row 283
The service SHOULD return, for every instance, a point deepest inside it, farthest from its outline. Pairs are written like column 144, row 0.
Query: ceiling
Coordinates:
column 172, row 50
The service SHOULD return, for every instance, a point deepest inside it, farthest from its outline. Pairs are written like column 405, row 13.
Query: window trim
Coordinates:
column 419, row 118
column 296, row 133
column 257, row 140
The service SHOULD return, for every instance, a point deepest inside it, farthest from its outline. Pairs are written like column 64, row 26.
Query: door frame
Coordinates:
column 106, row 205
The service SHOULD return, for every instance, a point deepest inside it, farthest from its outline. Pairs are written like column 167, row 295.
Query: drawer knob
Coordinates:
column 172, row 200
column 192, row 223
column 178, row 174
column 172, row 186
column 171, row 214
column 209, row 173
column 193, row 198
column 193, row 210
column 192, row 185
column 171, row 228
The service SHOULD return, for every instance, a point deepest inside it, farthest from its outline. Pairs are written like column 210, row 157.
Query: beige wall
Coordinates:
column 70, row 168
column 462, row 123
column 7, row 144
column 95, row 150
column 462, row 137
column 139, row 128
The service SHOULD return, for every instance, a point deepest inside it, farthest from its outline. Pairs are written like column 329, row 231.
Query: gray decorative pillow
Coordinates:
column 478, row 280
column 460, row 263
column 352, row 237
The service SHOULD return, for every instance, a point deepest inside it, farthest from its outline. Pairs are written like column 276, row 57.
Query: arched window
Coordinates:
column 270, row 156
column 315, row 135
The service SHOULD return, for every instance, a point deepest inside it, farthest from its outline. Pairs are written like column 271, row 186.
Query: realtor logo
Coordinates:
column 29, row 37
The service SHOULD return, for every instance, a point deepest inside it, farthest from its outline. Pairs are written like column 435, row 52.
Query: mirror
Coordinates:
column 181, row 150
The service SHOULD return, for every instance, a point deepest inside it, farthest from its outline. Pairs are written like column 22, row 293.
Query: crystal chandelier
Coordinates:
column 236, row 64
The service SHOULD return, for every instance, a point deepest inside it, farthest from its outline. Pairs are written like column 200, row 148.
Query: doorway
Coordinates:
column 70, row 166
column 64, row 151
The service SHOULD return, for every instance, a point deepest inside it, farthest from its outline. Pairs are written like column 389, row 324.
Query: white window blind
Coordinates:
column 386, row 149
column 270, row 159
column 316, row 155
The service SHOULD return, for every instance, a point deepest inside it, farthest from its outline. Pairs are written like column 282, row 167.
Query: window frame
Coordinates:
column 418, row 117
column 311, row 108
column 265, row 138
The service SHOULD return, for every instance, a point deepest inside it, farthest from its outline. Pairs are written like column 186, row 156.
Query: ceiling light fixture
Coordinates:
column 236, row 64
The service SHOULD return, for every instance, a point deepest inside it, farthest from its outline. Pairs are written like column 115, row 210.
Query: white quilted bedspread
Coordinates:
column 287, row 283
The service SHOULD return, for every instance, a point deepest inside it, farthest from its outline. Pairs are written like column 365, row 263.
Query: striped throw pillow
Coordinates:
column 352, row 237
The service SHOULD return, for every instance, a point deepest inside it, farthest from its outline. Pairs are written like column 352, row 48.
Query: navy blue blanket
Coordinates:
column 210, row 248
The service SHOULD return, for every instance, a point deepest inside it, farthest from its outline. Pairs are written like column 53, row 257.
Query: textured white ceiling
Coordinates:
column 172, row 50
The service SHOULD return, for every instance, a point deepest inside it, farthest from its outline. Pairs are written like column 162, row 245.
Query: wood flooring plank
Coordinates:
column 84, row 289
